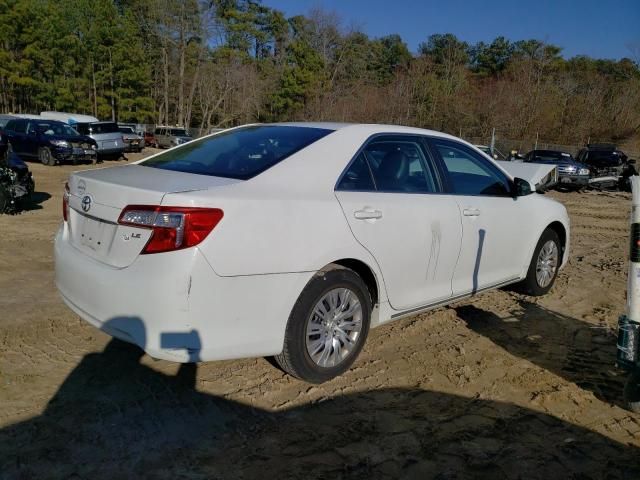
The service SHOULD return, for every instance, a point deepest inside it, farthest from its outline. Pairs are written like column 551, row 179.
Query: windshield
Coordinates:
column 550, row 156
column 47, row 128
column 179, row 132
column 97, row 128
column 126, row 129
column 240, row 153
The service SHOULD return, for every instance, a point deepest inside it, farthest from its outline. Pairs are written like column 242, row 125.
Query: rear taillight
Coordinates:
column 173, row 228
column 65, row 202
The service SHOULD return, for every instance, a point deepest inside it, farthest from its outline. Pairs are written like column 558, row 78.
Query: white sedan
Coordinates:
column 293, row 240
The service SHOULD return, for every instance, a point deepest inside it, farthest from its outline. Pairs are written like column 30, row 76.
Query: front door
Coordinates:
column 493, row 227
column 390, row 196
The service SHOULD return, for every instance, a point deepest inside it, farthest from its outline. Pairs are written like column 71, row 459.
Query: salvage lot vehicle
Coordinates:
column 49, row 141
column 16, row 183
column 132, row 141
column 572, row 174
column 610, row 167
column 294, row 239
column 168, row 137
column 106, row 135
column 108, row 138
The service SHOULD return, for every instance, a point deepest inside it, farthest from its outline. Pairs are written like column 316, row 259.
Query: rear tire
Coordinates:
column 45, row 157
column 328, row 326
column 544, row 265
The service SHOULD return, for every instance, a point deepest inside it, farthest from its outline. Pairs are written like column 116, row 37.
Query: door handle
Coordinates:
column 367, row 214
column 471, row 212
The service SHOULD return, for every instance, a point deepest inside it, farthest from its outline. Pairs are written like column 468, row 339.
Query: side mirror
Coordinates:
column 521, row 187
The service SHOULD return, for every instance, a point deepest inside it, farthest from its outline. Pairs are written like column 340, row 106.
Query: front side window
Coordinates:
column 470, row 173
column 240, row 153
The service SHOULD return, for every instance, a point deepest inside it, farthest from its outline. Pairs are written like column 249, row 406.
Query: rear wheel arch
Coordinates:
column 364, row 272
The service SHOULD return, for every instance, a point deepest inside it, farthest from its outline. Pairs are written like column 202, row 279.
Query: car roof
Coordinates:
column 372, row 128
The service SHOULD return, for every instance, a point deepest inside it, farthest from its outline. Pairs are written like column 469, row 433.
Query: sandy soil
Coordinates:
column 501, row 386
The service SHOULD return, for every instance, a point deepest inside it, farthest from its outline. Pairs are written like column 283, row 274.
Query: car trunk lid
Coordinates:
column 97, row 198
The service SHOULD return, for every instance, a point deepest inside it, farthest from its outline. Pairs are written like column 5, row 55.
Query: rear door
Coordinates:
column 494, row 229
column 390, row 196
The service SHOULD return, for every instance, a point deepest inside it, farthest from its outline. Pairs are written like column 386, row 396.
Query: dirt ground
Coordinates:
column 500, row 386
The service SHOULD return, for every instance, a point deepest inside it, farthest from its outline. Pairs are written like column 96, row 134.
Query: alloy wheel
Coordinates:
column 333, row 328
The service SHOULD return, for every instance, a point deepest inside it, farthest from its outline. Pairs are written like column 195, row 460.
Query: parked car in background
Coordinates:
column 132, row 141
column 294, row 239
column 108, row 138
column 571, row 173
column 49, row 141
column 4, row 144
column 150, row 140
column 16, row 183
column 492, row 152
column 168, row 137
column 603, row 159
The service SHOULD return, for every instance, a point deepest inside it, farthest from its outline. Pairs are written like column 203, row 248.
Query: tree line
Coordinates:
column 219, row 63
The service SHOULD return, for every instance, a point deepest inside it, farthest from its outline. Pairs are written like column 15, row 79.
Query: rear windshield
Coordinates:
column 179, row 132
column 240, row 153
column 550, row 156
column 97, row 128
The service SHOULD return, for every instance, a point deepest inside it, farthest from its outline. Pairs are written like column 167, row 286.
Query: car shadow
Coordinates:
column 35, row 201
column 572, row 349
column 114, row 417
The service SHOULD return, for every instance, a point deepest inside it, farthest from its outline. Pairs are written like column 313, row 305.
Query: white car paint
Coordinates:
column 230, row 296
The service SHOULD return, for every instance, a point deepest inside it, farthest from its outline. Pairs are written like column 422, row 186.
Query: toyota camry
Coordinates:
column 293, row 240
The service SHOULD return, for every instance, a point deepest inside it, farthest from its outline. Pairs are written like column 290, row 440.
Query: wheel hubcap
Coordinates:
column 333, row 328
column 547, row 263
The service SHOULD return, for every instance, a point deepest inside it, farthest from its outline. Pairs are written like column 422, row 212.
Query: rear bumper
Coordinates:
column 175, row 307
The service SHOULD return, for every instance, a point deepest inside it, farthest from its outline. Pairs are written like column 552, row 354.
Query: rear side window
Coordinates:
column 18, row 126
column 399, row 165
column 469, row 172
column 240, row 153
column 357, row 177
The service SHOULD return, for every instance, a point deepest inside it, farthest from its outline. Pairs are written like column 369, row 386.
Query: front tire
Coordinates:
column 328, row 326
column 544, row 265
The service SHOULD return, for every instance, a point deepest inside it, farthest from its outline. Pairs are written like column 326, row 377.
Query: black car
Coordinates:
column 4, row 142
column 571, row 173
column 49, row 141
column 16, row 183
column 603, row 159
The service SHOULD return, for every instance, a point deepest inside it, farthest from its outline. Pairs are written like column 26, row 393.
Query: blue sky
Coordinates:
column 598, row 28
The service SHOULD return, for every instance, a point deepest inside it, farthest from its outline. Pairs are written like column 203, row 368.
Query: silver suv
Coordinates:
column 107, row 136
column 167, row 137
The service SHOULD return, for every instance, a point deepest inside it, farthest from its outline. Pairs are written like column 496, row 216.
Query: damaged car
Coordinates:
column 16, row 183
column 50, row 141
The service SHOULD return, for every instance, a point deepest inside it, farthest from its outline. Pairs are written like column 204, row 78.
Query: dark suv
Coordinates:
column 571, row 174
column 49, row 141
column 603, row 159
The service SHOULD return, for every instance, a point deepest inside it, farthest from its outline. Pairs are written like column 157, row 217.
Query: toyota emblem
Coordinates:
column 86, row 203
